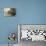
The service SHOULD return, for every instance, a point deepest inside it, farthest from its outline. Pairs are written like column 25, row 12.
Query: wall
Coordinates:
column 27, row 12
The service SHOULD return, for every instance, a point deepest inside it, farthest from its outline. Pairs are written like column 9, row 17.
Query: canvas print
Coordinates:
column 9, row 11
